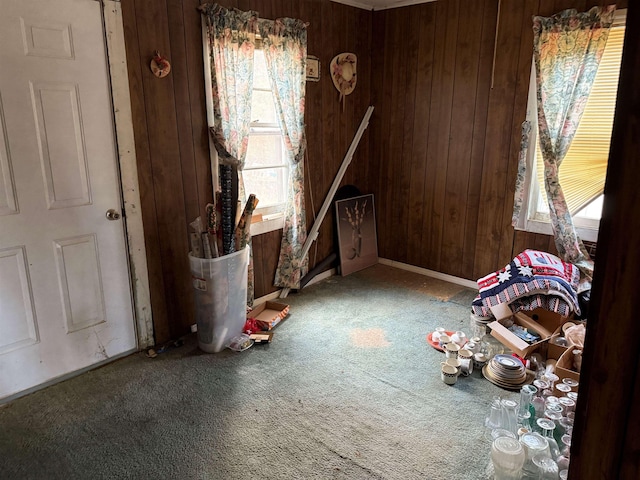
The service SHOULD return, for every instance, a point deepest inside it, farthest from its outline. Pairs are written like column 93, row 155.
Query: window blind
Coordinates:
column 584, row 168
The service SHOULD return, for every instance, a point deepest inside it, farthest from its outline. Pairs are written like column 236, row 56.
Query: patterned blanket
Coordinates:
column 531, row 280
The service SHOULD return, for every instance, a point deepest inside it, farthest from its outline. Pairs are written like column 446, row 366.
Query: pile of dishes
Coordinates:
column 506, row 372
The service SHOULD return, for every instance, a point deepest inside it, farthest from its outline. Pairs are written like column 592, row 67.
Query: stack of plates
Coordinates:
column 506, row 372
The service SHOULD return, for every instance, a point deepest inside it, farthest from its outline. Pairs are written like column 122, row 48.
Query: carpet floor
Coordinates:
column 348, row 388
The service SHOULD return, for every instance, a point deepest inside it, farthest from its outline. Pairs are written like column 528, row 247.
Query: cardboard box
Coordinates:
column 543, row 322
column 269, row 314
column 565, row 368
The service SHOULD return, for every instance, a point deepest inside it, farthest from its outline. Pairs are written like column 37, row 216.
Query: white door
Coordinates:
column 65, row 300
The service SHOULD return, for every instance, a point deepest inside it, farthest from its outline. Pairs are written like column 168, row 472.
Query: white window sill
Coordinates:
column 268, row 224
column 535, row 226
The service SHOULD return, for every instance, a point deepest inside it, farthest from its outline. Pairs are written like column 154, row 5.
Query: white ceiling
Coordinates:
column 380, row 4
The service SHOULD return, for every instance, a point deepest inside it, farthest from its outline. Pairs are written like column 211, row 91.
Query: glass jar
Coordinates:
column 490, row 346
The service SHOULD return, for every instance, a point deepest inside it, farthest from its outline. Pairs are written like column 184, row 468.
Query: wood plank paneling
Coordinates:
column 461, row 137
column 422, row 103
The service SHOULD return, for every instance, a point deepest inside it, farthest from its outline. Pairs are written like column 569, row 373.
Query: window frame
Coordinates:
column 531, row 219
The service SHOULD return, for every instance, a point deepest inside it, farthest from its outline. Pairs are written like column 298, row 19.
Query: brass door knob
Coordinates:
column 112, row 214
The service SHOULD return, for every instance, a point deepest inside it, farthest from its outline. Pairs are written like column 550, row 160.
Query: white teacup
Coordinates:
column 451, row 350
column 464, row 353
column 479, row 360
column 444, row 339
column 459, row 337
column 435, row 336
column 454, row 362
column 449, row 374
column 466, row 366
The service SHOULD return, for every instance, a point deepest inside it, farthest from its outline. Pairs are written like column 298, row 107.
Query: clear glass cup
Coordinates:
column 509, row 418
column 526, row 395
column 563, row 388
column 493, row 421
column 573, row 396
column 568, row 405
column 534, row 444
column 547, row 469
column 563, row 474
column 507, row 457
column 570, row 382
column 547, row 429
column 524, row 420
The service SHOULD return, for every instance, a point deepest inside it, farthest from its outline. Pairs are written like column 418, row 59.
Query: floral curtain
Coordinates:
column 231, row 34
column 567, row 50
column 284, row 42
column 232, row 40
column 518, row 200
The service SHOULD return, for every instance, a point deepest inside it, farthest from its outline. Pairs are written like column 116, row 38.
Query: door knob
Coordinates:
column 112, row 214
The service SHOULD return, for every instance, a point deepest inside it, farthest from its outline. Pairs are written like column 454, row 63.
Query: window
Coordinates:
column 266, row 170
column 583, row 170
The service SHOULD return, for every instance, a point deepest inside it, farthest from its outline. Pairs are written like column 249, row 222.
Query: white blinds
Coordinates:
column 583, row 170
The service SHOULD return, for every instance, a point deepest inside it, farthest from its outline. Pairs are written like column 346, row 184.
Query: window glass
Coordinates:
column 265, row 172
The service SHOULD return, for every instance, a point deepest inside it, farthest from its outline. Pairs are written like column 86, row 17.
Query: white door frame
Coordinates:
column 125, row 146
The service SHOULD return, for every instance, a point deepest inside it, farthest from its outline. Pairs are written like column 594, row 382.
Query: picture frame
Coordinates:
column 357, row 238
column 313, row 68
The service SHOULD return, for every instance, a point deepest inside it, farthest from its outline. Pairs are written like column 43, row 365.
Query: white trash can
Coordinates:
column 220, row 291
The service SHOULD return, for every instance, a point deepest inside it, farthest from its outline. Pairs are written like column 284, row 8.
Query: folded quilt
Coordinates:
column 535, row 274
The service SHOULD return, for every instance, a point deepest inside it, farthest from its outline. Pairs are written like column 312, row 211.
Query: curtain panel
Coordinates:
column 284, row 42
column 567, row 50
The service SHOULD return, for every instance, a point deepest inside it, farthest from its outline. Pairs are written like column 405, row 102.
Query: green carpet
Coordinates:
column 349, row 388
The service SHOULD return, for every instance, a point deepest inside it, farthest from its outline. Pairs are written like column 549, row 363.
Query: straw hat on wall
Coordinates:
column 343, row 73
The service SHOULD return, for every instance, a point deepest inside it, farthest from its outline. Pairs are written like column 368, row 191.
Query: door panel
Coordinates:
column 65, row 297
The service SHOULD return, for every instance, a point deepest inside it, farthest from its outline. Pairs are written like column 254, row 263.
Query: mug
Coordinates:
column 454, row 362
column 464, row 353
column 466, row 366
column 449, row 374
column 479, row 360
column 451, row 350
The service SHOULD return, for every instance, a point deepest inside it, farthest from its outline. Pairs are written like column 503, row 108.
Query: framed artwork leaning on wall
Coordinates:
column 357, row 239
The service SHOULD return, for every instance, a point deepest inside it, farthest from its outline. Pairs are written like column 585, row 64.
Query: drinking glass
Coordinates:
column 526, row 395
column 509, row 418
column 507, row 456
column 547, row 468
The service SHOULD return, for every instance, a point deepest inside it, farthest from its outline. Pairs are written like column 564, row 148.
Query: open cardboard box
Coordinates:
column 564, row 367
column 543, row 322
column 269, row 314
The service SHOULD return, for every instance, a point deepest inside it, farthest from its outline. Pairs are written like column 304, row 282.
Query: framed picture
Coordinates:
column 357, row 240
column 313, row 69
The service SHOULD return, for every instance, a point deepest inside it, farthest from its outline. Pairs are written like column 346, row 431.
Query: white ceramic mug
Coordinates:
column 466, row 366
column 449, row 374
column 454, row 362
column 464, row 353
column 451, row 350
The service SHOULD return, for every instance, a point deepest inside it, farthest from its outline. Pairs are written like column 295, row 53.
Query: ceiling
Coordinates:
column 380, row 4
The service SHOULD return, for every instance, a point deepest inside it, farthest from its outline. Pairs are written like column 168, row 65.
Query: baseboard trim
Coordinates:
column 430, row 273
column 273, row 295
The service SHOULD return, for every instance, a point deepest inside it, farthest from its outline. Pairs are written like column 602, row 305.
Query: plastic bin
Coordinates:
column 220, row 292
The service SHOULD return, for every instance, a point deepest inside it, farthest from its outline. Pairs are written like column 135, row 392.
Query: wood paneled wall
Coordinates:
column 172, row 144
column 446, row 131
